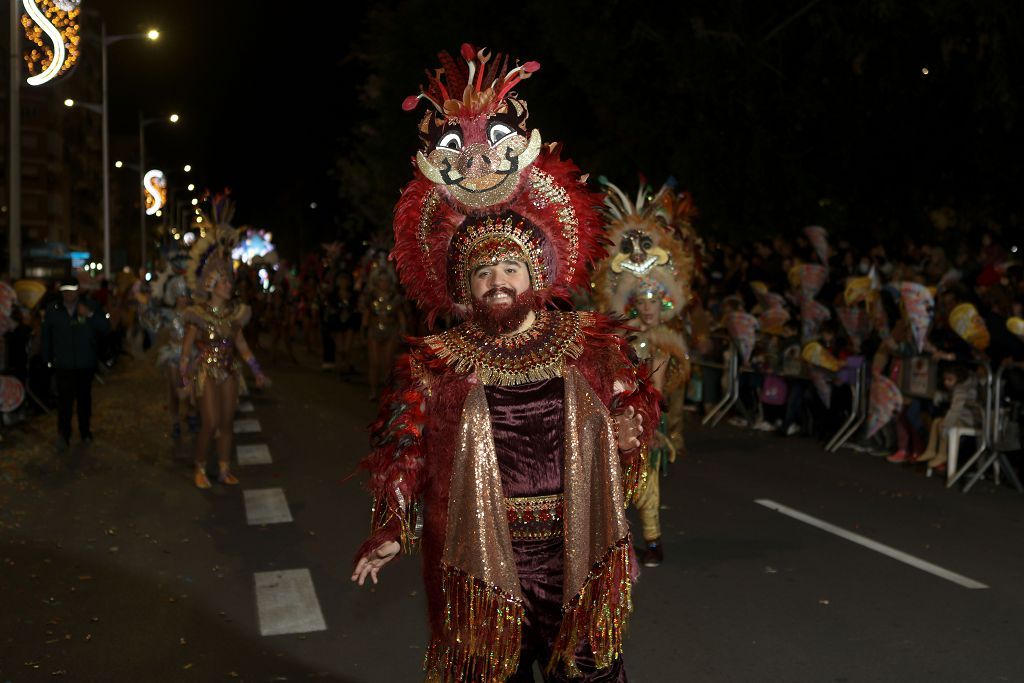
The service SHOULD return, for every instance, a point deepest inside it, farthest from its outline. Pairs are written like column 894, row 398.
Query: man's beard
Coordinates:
column 501, row 319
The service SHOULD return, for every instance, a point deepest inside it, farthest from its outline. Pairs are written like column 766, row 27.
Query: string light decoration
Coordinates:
column 52, row 26
column 155, row 185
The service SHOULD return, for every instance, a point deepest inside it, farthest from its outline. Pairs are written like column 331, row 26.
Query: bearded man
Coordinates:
column 520, row 433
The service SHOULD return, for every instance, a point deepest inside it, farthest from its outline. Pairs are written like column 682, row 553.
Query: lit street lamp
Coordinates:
column 102, row 109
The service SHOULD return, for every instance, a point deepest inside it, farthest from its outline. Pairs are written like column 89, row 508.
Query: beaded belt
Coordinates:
column 537, row 517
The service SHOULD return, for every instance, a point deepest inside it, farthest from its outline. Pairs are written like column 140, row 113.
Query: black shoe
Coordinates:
column 87, row 440
column 653, row 555
column 63, row 444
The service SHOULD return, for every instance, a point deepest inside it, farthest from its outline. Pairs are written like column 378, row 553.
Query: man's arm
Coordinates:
column 395, row 464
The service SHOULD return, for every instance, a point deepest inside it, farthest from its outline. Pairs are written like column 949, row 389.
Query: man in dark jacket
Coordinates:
column 71, row 330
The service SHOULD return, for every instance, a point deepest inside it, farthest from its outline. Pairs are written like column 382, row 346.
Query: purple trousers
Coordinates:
column 540, row 564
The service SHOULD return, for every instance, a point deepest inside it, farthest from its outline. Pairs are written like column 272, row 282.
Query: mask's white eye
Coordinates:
column 498, row 132
column 451, row 141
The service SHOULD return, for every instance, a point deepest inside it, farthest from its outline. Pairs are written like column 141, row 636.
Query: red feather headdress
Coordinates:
column 483, row 178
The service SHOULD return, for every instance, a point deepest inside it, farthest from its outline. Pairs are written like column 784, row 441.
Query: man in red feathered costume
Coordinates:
column 520, row 433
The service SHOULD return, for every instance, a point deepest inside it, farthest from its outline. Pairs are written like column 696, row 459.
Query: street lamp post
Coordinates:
column 14, row 148
column 103, row 110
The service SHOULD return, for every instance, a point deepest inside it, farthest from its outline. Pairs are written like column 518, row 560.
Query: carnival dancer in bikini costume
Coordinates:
column 213, row 328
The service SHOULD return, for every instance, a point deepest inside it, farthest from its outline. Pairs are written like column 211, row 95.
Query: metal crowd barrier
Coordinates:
column 858, row 411
column 731, row 369
column 988, row 436
column 996, row 457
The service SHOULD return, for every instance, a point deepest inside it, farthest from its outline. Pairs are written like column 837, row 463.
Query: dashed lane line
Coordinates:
column 248, row 425
column 889, row 551
column 286, row 603
column 253, row 454
column 266, row 506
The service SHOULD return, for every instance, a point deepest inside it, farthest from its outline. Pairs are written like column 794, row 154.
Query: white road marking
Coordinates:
column 286, row 603
column 246, row 407
column 253, row 454
column 266, row 506
column 917, row 562
column 249, row 425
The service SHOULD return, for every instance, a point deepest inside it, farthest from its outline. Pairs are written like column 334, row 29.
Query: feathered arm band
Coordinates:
column 396, row 461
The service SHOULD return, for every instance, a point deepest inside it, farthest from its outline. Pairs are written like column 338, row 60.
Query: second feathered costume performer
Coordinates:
column 647, row 277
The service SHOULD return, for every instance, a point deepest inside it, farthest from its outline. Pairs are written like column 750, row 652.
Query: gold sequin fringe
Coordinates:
column 598, row 613
column 538, row 354
column 482, row 632
column 634, row 479
column 508, row 378
column 382, row 513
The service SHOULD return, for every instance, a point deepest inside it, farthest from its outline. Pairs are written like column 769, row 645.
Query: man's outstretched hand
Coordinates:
column 629, row 425
column 369, row 565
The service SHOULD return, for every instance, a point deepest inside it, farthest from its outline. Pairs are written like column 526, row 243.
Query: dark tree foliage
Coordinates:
column 774, row 114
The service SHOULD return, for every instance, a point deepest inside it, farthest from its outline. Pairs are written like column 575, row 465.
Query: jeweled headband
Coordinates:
column 649, row 288
column 497, row 238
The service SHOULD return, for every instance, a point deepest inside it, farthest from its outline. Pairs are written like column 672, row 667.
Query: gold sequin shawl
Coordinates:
column 481, row 631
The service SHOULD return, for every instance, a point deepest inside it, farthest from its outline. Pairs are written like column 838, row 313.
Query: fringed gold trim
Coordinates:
column 481, row 636
column 634, row 479
column 598, row 614
column 383, row 512
column 531, row 356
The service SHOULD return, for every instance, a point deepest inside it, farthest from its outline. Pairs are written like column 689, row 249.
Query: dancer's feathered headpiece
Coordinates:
column 649, row 257
column 210, row 256
column 485, row 188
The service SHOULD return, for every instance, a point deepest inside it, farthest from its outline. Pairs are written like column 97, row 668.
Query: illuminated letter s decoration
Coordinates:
column 155, row 186
column 59, row 22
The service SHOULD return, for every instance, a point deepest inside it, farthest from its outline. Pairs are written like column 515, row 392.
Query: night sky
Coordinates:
column 774, row 115
column 261, row 103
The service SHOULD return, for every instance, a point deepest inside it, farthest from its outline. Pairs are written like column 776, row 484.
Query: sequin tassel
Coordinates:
column 481, row 635
column 634, row 479
column 598, row 613
column 382, row 515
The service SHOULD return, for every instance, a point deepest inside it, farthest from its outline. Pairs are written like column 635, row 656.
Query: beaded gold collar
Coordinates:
column 537, row 354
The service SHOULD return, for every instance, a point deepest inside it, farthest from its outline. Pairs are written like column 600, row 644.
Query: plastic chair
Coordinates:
column 953, row 436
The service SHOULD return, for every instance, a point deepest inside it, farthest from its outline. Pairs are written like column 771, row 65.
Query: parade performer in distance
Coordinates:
column 164, row 315
column 521, row 433
column 213, row 330
column 646, row 277
column 383, row 317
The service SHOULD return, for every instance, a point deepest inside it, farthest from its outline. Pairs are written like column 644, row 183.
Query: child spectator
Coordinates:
column 964, row 411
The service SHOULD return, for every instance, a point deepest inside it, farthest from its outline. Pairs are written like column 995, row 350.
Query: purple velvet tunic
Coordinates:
column 528, row 426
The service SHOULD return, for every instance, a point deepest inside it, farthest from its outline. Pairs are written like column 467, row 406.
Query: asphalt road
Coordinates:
column 122, row 571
